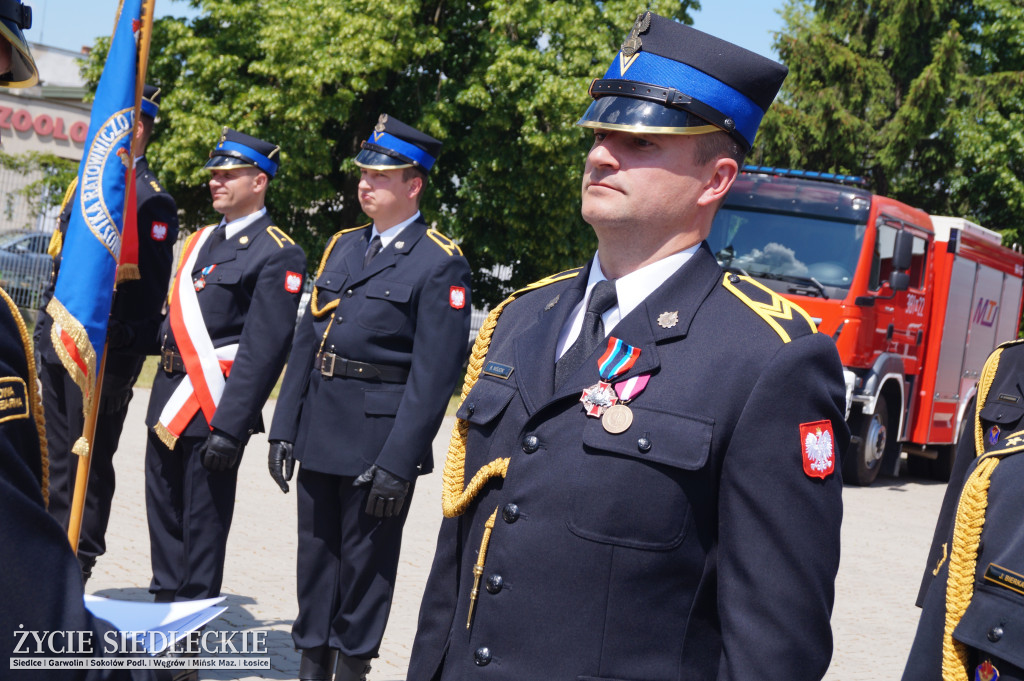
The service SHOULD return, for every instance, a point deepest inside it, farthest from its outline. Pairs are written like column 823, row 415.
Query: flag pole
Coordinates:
column 89, row 430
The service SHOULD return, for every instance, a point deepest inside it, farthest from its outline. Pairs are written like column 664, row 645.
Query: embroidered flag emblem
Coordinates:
column 986, row 671
column 159, row 231
column 818, row 446
column 457, row 297
column 292, row 282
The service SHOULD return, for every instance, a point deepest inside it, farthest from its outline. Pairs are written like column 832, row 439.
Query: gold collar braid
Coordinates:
column 314, row 306
column 455, row 497
column 970, row 520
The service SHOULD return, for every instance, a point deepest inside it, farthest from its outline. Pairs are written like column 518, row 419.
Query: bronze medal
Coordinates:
column 617, row 419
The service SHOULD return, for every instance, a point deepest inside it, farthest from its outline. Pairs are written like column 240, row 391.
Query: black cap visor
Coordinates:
column 23, row 71
column 636, row 115
column 227, row 162
column 370, row 159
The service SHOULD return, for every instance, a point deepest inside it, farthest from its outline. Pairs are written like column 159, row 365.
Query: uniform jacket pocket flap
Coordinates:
column 679, row 440
column 382, row 402
column 394, row 291
column 331, row 281
column 485, row 401
column 993, row 624
column 224, row 275
column 1002, row 413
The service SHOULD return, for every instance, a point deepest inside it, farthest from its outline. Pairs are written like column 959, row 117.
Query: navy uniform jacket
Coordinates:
column 42, row 584
column 400, row 311
column 992, row 626
column 244, row 301
column 690, row 546
column 137, row 303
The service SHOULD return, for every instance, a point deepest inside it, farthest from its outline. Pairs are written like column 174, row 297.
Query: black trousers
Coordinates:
column 347, row 562
column 62, row 408
column 189, row 511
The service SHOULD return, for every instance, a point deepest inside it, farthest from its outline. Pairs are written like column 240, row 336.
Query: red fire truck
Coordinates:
column 915, row 303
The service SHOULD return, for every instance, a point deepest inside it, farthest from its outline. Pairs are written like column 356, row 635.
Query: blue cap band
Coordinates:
column 258, row 159
column 663, row 72
column 149, row 108
column 410, row 151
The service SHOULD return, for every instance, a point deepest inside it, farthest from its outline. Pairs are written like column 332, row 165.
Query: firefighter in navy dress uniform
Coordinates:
column 232, row 310
column 375, row 360
column 41, row 588
column 664, row 501
column 972, row 593
column 131, row 335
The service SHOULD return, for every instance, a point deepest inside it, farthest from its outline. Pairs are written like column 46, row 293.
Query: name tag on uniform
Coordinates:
column 500, row 370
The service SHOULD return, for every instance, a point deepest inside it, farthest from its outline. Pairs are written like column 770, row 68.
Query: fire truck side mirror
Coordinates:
column 899, row 281
column 903, row 252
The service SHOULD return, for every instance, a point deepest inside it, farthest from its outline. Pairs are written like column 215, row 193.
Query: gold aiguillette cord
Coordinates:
column 478, row 569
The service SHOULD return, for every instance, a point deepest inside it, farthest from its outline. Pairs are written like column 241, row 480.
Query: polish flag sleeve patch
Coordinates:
column 457, row 297
column 292, row 282
column 818, row 446
column 158, row 232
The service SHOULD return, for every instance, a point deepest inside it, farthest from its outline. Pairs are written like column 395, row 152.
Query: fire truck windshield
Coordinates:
column 801, row 249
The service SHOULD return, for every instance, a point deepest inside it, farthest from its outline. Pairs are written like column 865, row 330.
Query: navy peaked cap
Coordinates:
column 671, row 78
column 393, row 145
column 15, row 18
column 151, row 97
column 237, row 150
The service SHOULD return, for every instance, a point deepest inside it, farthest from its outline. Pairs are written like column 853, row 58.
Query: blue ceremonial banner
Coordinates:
column 85, row 283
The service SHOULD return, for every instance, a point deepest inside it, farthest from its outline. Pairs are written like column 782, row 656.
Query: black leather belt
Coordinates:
column 171, row 362
column 329, row 365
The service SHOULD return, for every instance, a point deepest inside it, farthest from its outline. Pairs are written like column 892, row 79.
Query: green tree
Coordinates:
column 920, row 96
column 501, row 82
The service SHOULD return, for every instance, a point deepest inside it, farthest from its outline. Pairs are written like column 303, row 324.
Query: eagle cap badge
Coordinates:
column 381, row 122
column 817, row 445
column 634, row 43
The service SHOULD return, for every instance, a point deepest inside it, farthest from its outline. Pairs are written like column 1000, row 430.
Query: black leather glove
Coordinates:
column 281, row 463
column 387, row 492
column 119, row 335
column 220, row 452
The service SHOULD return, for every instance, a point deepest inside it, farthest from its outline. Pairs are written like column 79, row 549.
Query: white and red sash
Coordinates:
column 205, row 366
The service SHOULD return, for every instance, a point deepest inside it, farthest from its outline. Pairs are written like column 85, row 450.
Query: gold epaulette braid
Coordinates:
column 455, row 497
column 314, row 305
column 970, row 520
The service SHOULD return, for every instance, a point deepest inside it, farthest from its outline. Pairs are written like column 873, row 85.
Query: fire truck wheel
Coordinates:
column 862, row 463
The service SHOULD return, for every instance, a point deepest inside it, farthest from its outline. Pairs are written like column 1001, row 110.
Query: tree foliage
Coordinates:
column 923, row 97
column 501, row 82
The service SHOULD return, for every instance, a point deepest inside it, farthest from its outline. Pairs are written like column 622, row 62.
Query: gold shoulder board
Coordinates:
column 786, row 318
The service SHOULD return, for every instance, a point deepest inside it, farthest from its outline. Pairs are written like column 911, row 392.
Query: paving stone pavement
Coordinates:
column 886, row 532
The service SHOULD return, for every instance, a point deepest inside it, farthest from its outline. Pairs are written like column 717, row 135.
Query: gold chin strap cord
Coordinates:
column 478, row 569
column 970, row 520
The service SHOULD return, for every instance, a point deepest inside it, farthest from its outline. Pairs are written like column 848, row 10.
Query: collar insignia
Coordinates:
column 667, row 320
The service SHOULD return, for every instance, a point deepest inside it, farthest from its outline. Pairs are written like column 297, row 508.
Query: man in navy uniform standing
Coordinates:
column 135, row 317
column 375, row 361
column 41, row 590
column 664, row 500
column 228, row 330
column 972, row 592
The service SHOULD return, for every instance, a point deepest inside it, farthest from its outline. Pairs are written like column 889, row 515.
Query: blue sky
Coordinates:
column 70, row 24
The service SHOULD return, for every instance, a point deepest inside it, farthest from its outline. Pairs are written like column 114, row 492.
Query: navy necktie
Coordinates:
column 602, row 298
column 372, row 250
